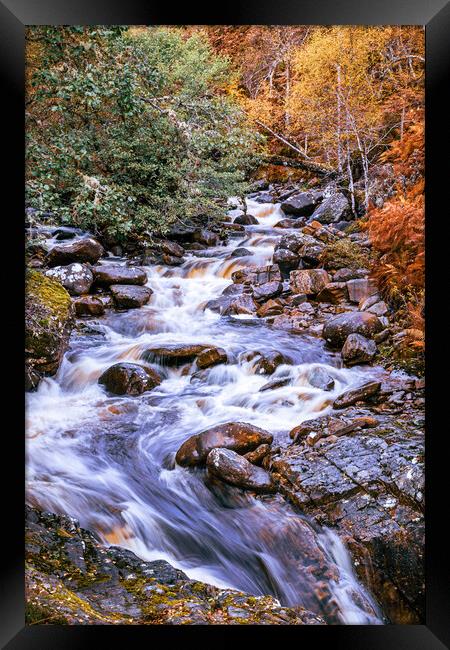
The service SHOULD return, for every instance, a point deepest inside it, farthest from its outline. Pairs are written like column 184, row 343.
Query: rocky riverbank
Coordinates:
column 354, row 465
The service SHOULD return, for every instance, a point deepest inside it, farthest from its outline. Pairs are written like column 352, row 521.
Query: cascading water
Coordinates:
column 109, row 460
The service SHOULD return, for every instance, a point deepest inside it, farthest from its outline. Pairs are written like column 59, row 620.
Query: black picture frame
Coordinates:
column 435, row 15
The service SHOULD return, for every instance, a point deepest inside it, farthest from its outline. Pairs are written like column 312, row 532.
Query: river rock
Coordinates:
column 267, row 290
column 171, row 260
column 263, row 197
column 257, row 275
column 360, row 289
column 174, row 354
column 270, row 308
column 358, row 349
column 234, row 469
column 274, row 384
column 311, row 431
column 310, row 254
column 246, row 220
column 241, row 252
column 268, row 362
column 334, row 293
column 129, row 379
column 211, row 357
column 206, row 237
column 130, row 297
column 286, row 260
column 337, row 329
column 360, row 394
column 379, row 308
column 309, row 281
column 82, row 250
column 108, row 274
column 257, row 455
column 48, row 323
column 89, row 306
column 243, row 304
column 319, row 378
column 237, row 436
column 289, row 223
column 75, row 278
column 332, row 209
column 302, row 204
column 171, row 248
column 345, row 274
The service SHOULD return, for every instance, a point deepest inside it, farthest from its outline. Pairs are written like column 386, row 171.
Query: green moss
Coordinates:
column 344, row 253
column 49, row 293
column 408, row 360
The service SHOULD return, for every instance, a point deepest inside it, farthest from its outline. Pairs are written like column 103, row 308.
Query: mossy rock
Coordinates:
column 48, row 323
column 344, row 254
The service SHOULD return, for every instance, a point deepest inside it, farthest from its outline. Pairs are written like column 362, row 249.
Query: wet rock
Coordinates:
column 75, row 278
column 360, row 394
column 345, row 274
column 257, row 275
column 108, row 274
column 360, row 289
column 337, row 329
column 89, row 306
column 270, row 308
column 332, row 209
column 211, row 357
column 48, row 323
column 268, row 362
column 358, row 349
column 82, row 250
column 246, row 220
column 294, row 242
column 286, row 260
column 71, row 579
column 334, row 293
column 237, row 436
column 234, row 469
column 309, row 281
column 66, row 232
column 302, row 204
column 175, row 354
column 319, row 378
column 171, row 260
column 130, row 297
column 274, row 384
column 243, row 304
column 310, row 254
column 171, row 248
column 263, row 197
column 257, row 455
column 206, row 237
column 129, row 379
column 289, row 223
column 268, row 290
column 241, row 252
column 311, row 431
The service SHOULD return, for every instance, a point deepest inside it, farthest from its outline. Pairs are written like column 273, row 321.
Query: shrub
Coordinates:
column 344, row 253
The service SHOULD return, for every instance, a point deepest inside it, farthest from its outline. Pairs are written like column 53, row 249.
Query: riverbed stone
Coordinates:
column 130, row 296
column 237, row 436
column 246, row 220
column 106, row 275
column 257, row 455
column 211, row 357
column 89, row 306
column 337, row 329
column 359, row 394
column 75, row 278
column 270, row 308
column 334, row 208
column 129, row 379
column 236, row 470
column 309, row 281
column 333, row 292
column 358, row 349
column 268, row 290
column 286, row 260
column 86, row 249
column 302, row 204
column 320, row 378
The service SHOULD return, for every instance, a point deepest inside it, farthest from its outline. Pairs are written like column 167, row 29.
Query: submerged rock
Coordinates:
column 75, row 278
column 48, row 323
column 237, row 436
column 237, row 470
column 129, row 379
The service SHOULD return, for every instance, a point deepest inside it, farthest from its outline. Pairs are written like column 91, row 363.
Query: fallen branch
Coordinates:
column 306, row 165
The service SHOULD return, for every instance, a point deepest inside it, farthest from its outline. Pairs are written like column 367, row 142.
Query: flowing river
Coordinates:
column 109, row 460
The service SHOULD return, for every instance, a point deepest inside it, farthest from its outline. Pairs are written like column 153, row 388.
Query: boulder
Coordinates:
column 337, row 329
column 48, row 323
column 358, row 349
column 228, row 466
column 334, row 293
column 379, row 308
column 309, row 281
column 268, row 362
column 302, row 204
column 176, row 354
column 211, row 357
column 171, row 248
column 310, row 254
column 171, row 260
column 332, row 209
column 75, row 278
column 319, row 378
column 289, row 223
column 241, row 252
column 66, row 232
column 246, row 220
column 263, row 197
column 360, row 394
column 270, row 308
column 268, row 290
column 243, row 304
column 237, row 436
column 257, row 455
column 89, row 306
column 257, row 275
column 129, row 379
column 286, row 260
column 360, row 289
column 108, row 274
column 82, row 250
column 206, row 237
column 130, row 296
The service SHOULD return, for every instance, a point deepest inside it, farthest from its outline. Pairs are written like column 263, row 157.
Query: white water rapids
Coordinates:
column 109, row 460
